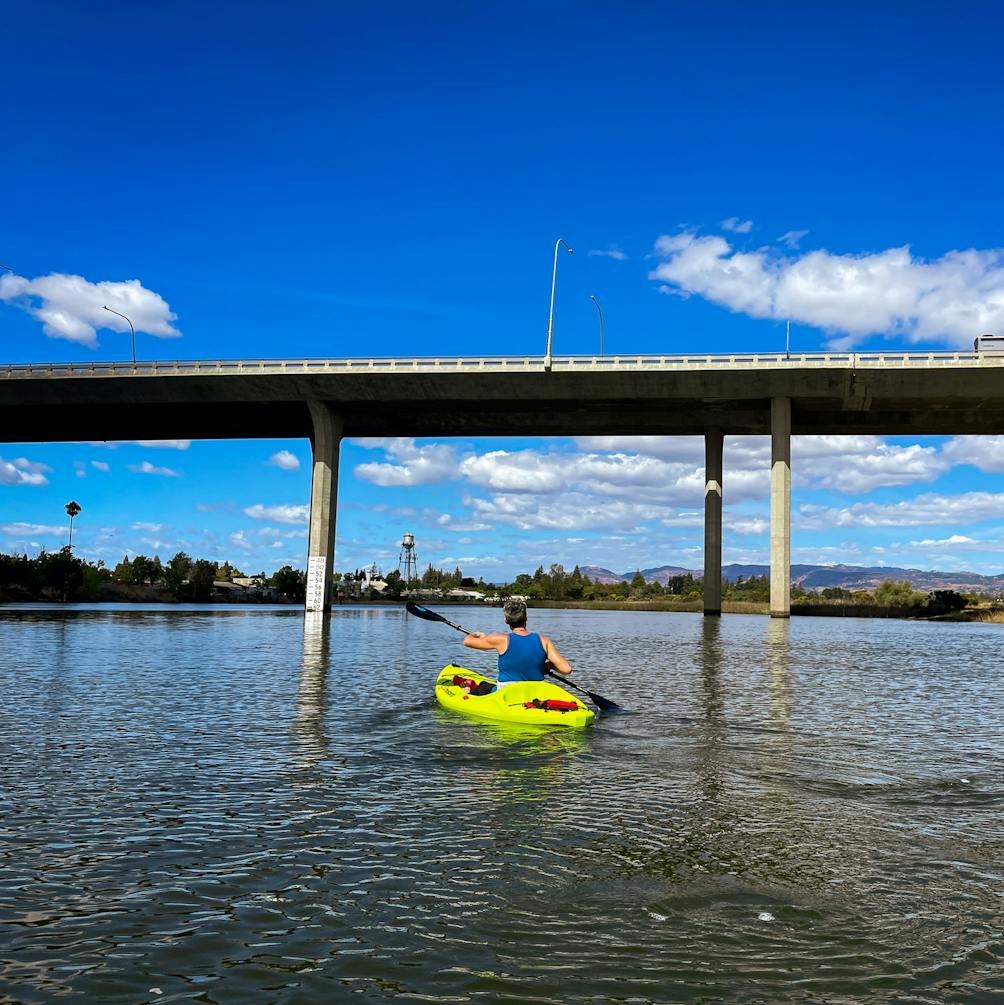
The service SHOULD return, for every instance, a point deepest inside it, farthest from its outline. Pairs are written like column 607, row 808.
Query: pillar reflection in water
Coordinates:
column 713, row 735
column 312, row 699
column 711, row 666
column 777, row 651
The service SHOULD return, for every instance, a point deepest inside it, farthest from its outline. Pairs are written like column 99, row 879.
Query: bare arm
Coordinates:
column 486, row 643
column 554, row 657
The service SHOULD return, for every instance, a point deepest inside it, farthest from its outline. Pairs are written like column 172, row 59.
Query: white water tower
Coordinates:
column 408, row 558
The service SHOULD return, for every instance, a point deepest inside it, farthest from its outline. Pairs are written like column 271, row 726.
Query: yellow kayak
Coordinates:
column 531, row 703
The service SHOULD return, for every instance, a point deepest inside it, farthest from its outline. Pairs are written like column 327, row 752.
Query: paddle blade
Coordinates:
column 422, row 612
column 603, row 704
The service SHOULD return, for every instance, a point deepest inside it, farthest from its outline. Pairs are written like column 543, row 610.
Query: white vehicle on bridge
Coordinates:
column 988, row 343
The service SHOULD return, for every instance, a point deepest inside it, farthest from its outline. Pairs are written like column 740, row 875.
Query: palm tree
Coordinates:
column 72, row 509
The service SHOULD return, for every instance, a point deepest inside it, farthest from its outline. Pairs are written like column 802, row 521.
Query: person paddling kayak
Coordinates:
column 523, row 655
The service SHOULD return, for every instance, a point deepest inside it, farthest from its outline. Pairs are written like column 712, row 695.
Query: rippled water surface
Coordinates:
column 233, row 806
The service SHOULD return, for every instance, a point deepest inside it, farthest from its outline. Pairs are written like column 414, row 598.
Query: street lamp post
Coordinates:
column 72, row 509
column 600, row 309
column 133, row 330
column 550, row 317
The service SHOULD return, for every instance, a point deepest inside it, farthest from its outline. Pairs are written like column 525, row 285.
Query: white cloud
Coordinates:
column 412, row 465
column 950, row 299
column 792, row 238
column 930, row 509
column 275, row 532
column 32, row 529
column 567, row 512
column 954, row 539
column 685, row 518
column 100, row 465
column 72, row 308
column 281, row 514
column 747, row 526
column 239, row 540
column 737, row 226
column 611, row 252
column 664, row 479
column 146, row 468
column 153, row 528
column 156, row 444
column 446, row 521
column 670, row 470
column 983, row 452
column 21, row 471
column 856, row 464
column 466, row 527
column 285, row 460
column 523, row 471
column 675, row 448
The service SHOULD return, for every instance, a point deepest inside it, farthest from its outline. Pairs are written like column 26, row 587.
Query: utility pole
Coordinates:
column 133, row 330
column 550, row 316
column 598, row 308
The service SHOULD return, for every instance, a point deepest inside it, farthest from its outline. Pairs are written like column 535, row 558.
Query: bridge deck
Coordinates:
column 910, row 393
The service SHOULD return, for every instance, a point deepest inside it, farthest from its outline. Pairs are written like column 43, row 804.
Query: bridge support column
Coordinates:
column 713, row 440
column 780, row 508
column 323, row 505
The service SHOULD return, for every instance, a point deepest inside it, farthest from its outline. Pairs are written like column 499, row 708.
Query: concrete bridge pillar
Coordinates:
column 780, row 507
column 323, row 505
column 713, row 440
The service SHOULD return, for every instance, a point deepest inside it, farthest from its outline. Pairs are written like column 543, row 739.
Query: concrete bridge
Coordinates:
column 326, row 399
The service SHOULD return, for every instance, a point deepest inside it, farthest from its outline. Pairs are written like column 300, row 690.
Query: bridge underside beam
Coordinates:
column 242, row 420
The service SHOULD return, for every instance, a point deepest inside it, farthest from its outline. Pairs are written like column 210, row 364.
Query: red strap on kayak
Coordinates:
column 464, row 681
column 552, row 704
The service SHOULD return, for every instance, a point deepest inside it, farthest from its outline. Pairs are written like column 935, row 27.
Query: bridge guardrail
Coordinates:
column 460, row 364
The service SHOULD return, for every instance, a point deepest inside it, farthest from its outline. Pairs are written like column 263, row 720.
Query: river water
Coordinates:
column 230, row 805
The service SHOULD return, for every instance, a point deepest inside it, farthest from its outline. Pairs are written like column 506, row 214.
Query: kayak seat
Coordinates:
column 474, row 687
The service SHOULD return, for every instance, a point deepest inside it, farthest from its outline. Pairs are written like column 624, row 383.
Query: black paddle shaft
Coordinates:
column 603, row 704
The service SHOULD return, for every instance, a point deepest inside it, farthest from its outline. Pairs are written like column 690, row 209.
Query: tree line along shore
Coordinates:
column 62, row 576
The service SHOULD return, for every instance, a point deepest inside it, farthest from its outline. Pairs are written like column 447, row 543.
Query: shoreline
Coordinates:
column 749, row 607
column 806, row 609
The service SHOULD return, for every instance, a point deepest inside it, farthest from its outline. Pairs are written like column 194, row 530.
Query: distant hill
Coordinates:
column 818, row 577
column 663, row 573
column 598, row 575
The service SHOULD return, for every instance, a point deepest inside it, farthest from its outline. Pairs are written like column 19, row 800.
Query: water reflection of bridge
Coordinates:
column 326, row 399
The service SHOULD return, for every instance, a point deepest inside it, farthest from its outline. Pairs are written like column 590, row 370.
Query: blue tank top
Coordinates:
column 523, row 659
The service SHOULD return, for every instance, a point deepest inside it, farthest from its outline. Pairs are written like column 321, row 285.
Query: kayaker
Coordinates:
column 523, row 655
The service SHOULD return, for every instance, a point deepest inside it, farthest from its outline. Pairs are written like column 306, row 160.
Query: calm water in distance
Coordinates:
column 233, row 805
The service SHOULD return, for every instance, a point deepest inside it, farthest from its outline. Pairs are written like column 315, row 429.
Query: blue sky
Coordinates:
column 313, row 180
